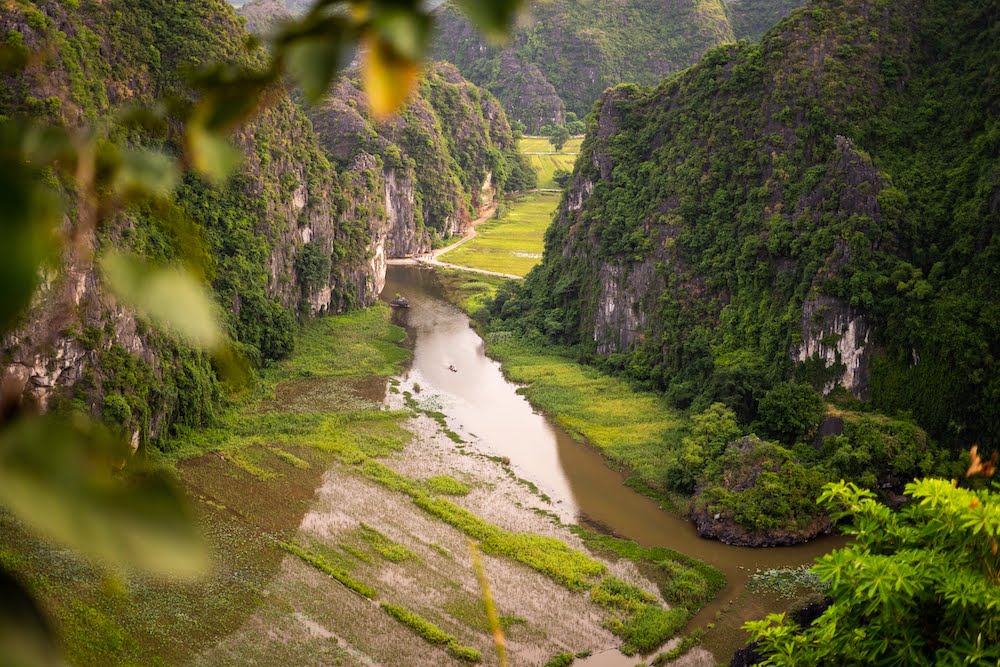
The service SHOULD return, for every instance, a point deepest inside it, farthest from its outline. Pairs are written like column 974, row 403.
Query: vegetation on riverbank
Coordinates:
column 367, row 346
column 642, row 625
column 632, row 428
column 739, row 488
column 683, row 581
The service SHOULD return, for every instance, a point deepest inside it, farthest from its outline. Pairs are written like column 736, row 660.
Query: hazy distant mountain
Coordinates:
column 565, row 53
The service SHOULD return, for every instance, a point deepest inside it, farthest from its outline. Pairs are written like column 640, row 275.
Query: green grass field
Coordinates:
column 512, row 244
column 545, row 160
column 542, row 145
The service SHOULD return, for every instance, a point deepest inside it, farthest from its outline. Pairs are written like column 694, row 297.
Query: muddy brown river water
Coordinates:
column 485, row 407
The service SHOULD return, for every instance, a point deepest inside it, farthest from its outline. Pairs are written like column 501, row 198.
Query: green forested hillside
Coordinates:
column 94, row 61
column 752, row 18
column 565, row 54
column 821, row 207
column 452, row 140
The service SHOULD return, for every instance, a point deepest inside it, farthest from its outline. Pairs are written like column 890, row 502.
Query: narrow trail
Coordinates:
column 431, row 258
column 471, row 234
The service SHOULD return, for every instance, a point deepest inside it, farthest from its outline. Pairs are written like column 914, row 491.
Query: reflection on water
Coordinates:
column 476, row 397
column 478, row 400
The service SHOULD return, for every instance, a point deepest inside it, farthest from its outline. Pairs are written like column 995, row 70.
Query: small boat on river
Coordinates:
column 400, row 302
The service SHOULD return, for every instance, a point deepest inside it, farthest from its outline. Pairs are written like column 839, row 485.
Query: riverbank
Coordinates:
column 629, row 427
column 340, row 528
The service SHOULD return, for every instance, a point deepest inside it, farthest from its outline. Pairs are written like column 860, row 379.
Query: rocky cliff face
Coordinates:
column 77, row 345
column 442, row 159
column 838, row 337
column 760, row 216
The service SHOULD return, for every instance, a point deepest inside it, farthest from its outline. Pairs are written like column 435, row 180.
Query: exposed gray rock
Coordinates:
column 839, row 335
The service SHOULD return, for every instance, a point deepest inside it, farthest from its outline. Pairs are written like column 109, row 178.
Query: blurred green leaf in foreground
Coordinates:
column 70, row 479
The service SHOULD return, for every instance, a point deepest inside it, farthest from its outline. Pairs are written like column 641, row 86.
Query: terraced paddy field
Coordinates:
column 513, row 243
column 545, row 160
column 542, row 145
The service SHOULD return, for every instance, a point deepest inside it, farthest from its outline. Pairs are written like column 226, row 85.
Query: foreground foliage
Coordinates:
column 920, row 586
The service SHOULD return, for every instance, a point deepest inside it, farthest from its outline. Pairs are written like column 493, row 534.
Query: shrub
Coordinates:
column 560, row 660
column 790, row 412
column 115, row 409
column 649, row 628
column 915, row 587
column 312, row 265
column 559, row 136
column 712, row 430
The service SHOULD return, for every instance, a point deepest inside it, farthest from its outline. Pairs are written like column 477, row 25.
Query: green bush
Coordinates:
column 561, row 660
column 115, row 409
column 790, row 412
column 649, row 628
column 762, row 487
column 914, row 587
column 312, row 266
column 711, row 431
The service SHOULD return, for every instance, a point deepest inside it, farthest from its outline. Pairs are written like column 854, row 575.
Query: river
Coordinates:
column 481, row 403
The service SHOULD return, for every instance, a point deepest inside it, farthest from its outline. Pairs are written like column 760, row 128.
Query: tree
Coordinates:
column 711, row 431
column 916, row 587
column 790, row 411
column 561, row 177
column 559, row 137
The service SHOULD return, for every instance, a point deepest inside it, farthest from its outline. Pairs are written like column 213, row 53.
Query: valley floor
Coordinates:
column 546, row 160
column 511, row 245
column 341, row 530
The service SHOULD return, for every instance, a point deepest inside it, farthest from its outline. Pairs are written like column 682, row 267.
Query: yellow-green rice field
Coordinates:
column 513, row 243
column 545, row 159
